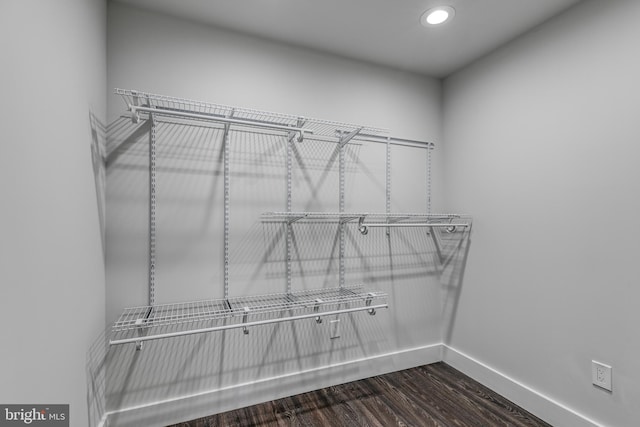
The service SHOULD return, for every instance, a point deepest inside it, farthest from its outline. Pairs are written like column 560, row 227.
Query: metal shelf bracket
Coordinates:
column 244, row 320
column 135, row 117
column 371, row 311
column 139, row 323
column 316, row 308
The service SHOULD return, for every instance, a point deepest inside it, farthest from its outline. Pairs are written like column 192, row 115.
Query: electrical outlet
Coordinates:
column 601, row 375
column 335, row 328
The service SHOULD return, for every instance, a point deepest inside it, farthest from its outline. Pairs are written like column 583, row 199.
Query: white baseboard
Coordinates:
column 184, row 408
column 544, row 407
column 175, row 410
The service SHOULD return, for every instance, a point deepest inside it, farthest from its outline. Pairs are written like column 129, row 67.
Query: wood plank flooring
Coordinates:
column 431, row 395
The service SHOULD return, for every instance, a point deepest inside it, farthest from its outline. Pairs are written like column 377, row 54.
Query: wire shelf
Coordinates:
column 371, row 218
column 168, row 105
column 137, row 318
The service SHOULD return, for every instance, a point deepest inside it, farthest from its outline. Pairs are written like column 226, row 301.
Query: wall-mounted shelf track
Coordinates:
column 145, row 323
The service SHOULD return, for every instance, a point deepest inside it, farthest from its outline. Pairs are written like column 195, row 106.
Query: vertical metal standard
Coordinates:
column 343, row 140
column 341, row 209
column 289, row 240
column 225, row 148
column 152, row 211
column 429, row 148
column 388, row 183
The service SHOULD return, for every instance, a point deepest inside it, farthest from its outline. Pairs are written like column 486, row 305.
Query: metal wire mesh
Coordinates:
column 314, row 126
column 191, row 312
column 169, row 314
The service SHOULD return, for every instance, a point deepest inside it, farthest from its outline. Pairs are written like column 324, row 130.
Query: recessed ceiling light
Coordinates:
column 437, row 15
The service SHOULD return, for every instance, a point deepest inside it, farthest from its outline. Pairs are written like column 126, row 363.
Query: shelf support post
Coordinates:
column 289, row 238
column 430, row 148
column 227, row 185
column 388, row 183
column 342, row 142
column 152, row 210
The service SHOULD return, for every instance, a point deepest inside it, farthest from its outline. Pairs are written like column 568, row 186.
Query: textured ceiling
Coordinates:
column 386, row 32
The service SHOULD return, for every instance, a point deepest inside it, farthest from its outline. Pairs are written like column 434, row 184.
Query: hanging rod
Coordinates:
column 395, row 141
column 416, row 224
column 138, row 340
column 360, row 138
column 449, row 226
column 349, row 216
column 174, row 113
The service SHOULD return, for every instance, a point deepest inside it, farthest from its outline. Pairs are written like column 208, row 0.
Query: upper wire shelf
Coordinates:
column 137, row 102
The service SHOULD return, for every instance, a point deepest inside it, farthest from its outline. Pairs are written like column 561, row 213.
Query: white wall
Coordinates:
column 159, row 54
column 51, row 259
column 542, row 148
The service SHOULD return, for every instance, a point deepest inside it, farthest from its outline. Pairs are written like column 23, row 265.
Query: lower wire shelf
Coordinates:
column 139, row 324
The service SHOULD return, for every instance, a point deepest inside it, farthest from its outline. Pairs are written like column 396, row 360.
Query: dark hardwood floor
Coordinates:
column 431, row 395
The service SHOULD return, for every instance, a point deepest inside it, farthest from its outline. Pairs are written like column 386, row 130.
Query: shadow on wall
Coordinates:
column 372, row 258
column 96, row 371
column 454, row 262
column 99, row 162
column 96, row 355
column 122, row 377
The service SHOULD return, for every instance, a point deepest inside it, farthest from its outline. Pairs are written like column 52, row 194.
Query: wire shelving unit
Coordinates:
column 153, row 322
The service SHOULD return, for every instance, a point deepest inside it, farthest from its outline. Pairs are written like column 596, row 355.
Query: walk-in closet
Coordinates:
column 336, row 213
